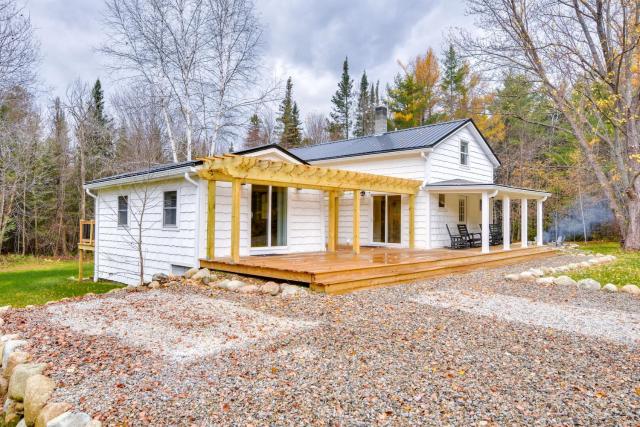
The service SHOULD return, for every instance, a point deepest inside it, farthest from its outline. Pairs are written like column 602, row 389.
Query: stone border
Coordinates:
column 25, row 391
column 543, row 276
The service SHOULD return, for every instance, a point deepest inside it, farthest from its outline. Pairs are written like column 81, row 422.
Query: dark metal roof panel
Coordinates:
column 406, row 139
column 152, row 169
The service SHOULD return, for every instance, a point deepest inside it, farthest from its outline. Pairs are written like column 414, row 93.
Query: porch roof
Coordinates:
column 465, row 186
column 254, row 170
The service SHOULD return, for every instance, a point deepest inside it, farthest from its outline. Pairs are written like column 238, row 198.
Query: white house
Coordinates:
column 408, row 184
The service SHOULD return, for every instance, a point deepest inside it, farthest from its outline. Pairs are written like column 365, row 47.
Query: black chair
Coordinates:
column 495, row 234
column 474, row 239
column 457, row 241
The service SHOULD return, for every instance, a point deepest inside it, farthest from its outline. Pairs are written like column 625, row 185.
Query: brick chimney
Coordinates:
column 380, row 125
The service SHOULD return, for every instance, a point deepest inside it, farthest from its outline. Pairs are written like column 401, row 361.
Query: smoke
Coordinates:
column 593, row 219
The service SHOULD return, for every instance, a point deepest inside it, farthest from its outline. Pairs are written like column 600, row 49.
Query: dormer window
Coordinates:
column 464, row 153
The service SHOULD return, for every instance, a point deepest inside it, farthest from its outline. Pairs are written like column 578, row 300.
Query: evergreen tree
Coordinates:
column 361, row 127
column 99, row 148
column 289, row 120
column 452, row 84
column 97, row 103
column 342, row 101
column 254, row 133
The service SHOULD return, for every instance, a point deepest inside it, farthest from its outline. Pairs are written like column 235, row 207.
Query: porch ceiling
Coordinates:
column 458, row 187
column 254, row 170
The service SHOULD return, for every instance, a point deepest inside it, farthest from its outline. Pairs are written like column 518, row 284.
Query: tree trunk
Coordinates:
column 631, row 233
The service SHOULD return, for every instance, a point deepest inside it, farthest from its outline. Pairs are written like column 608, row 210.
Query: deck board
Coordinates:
column 343, row 271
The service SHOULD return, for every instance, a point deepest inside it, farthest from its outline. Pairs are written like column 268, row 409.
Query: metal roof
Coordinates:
column 153, row 169
column 268, row 146
column 406, row 139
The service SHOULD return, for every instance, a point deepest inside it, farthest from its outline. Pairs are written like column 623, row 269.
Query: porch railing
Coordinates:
column 87, row 232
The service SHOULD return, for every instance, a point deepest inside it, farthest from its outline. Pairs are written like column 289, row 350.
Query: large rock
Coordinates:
column 190, row 272
column 231, row 285
column 537, row 272
column 526, row 275
column 288, row 290
column 4, row 387
column 630, row 289
column 249, row 289
column 203, row 275
column 590, row 284
column 159, row 277
column 270, row 288
column 4, row 309
column 51, row 411
column 70, row 419
column 18, row 381
column 512, row 277
column 544, row 280
column 564, row 281
column 154, row 284
column 9, row 347
column 610, row 287
column 12, row 413
column 16, row 358
column 36, row 394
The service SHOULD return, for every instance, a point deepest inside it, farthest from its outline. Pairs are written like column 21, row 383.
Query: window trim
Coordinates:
column 465, row 153
column 124, row 226
column 269, row 248
column 164, row 225
column 442, row 204
column 462, row 209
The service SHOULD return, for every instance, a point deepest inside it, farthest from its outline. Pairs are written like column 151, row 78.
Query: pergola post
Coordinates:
column 211, row 219
column 235, row 220
column 333, row 222
column 412, row 221
column 539, row 231
column 485, row 222
column 524, row 232
column 506, row 223
column 427, row 222
column 356, row 222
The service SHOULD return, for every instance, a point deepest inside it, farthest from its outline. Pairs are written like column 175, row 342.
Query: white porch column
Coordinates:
column 506, row 223
column 485, row 222
column 524, row 233
column 539, row 231
column 427, row 222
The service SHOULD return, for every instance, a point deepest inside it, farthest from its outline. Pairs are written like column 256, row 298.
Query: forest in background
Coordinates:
column 178, row 101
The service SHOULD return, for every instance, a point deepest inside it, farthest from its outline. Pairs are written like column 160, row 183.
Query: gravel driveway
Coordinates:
column 467, row 349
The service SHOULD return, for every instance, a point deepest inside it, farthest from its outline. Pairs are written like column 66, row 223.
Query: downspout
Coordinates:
column 425, row 154
column 196, row 249
column 96, row 258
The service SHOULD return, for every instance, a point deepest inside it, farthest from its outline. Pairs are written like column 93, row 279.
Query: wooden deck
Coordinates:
column 343, row 271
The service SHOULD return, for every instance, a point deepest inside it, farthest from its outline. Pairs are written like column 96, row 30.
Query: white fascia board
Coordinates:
column 275, row 152
column 145, row 177
column 357, row 158
column 483, row 143
column 501, row 189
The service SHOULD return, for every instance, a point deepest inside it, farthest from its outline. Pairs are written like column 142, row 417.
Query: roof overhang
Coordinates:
column 253, row 170
column 144, row 177
column 267, row 149
column 500, row 191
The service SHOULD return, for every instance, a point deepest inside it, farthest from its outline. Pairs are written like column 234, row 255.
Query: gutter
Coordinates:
column 96, row 258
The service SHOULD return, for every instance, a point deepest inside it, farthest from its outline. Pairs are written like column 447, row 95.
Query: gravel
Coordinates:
column 463, row 349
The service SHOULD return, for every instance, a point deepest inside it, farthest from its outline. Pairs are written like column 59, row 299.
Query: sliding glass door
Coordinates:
column 268, row 216
column 387, row 214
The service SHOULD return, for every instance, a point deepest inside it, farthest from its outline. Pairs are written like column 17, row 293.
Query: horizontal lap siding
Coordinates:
column 440, row 217
column 117, row 255
column 305, row 232
column 445, row 160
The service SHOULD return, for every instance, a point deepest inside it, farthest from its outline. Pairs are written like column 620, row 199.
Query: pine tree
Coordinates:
column 452, row 84
column 254, row 133
column 289, row 120
column 100, row 148
column 97, row 103
column 361, row 127
column 342, row 101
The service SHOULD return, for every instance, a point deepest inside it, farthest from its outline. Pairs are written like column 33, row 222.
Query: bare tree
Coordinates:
column 201, row 55
column 77, row 104
column 584, row 54
column 18, row 48
column 315, row 128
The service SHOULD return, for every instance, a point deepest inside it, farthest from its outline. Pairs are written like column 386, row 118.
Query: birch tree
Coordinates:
column 18, row 47
column 584, row 55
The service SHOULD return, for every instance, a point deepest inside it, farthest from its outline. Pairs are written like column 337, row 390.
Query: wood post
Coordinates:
column 412, row 221
column 524, row 223
column 485, row 222
column 80, row 265
column 333, row 222
column 211, row 219
column 539, row 228
column 506, row 223
column 356, row 221
column 235, row 220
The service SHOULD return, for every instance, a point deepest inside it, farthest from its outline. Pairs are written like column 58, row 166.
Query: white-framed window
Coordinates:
column 462, row 210
column 441, row 200
column 464, row 153
column 123, row 211
column 268, row 216
column 170, row 209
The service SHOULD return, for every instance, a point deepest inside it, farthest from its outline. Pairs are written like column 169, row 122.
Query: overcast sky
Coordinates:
column 307, row 40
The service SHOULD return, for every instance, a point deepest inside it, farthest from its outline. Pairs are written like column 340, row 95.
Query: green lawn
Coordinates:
column 626, row 269
column 30, row 280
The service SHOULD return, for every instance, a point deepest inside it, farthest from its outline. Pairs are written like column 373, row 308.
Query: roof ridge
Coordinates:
column 391, row 131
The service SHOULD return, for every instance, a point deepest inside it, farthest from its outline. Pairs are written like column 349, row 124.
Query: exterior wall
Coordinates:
column 116, row 252
column 440, row 217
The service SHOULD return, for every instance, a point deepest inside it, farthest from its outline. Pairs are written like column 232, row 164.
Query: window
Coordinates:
column 170, row 209
column 123, row 211
column 464, row 153
column 387, row 218
column 268, row 216
column 462, row 210
column 441, row 200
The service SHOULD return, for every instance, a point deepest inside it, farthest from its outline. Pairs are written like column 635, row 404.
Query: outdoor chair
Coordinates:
column 474, row 239
column 457, row 241
column 495, row 234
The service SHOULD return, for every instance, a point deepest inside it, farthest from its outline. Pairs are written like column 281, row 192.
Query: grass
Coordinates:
column 625, row 269
column 34, row 281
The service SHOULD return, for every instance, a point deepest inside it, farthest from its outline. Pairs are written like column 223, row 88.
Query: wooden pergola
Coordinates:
column 241, row 170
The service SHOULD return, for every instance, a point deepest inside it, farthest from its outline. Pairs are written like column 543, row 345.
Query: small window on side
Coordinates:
column 462, row 210
column 170, row 209
column 464, row 153
column 123, row 211
column 441, row 200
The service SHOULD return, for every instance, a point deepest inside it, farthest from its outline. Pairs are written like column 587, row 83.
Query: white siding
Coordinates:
column 403, row 165
column 440, row 217
column 117, row 256
column 445, row 160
